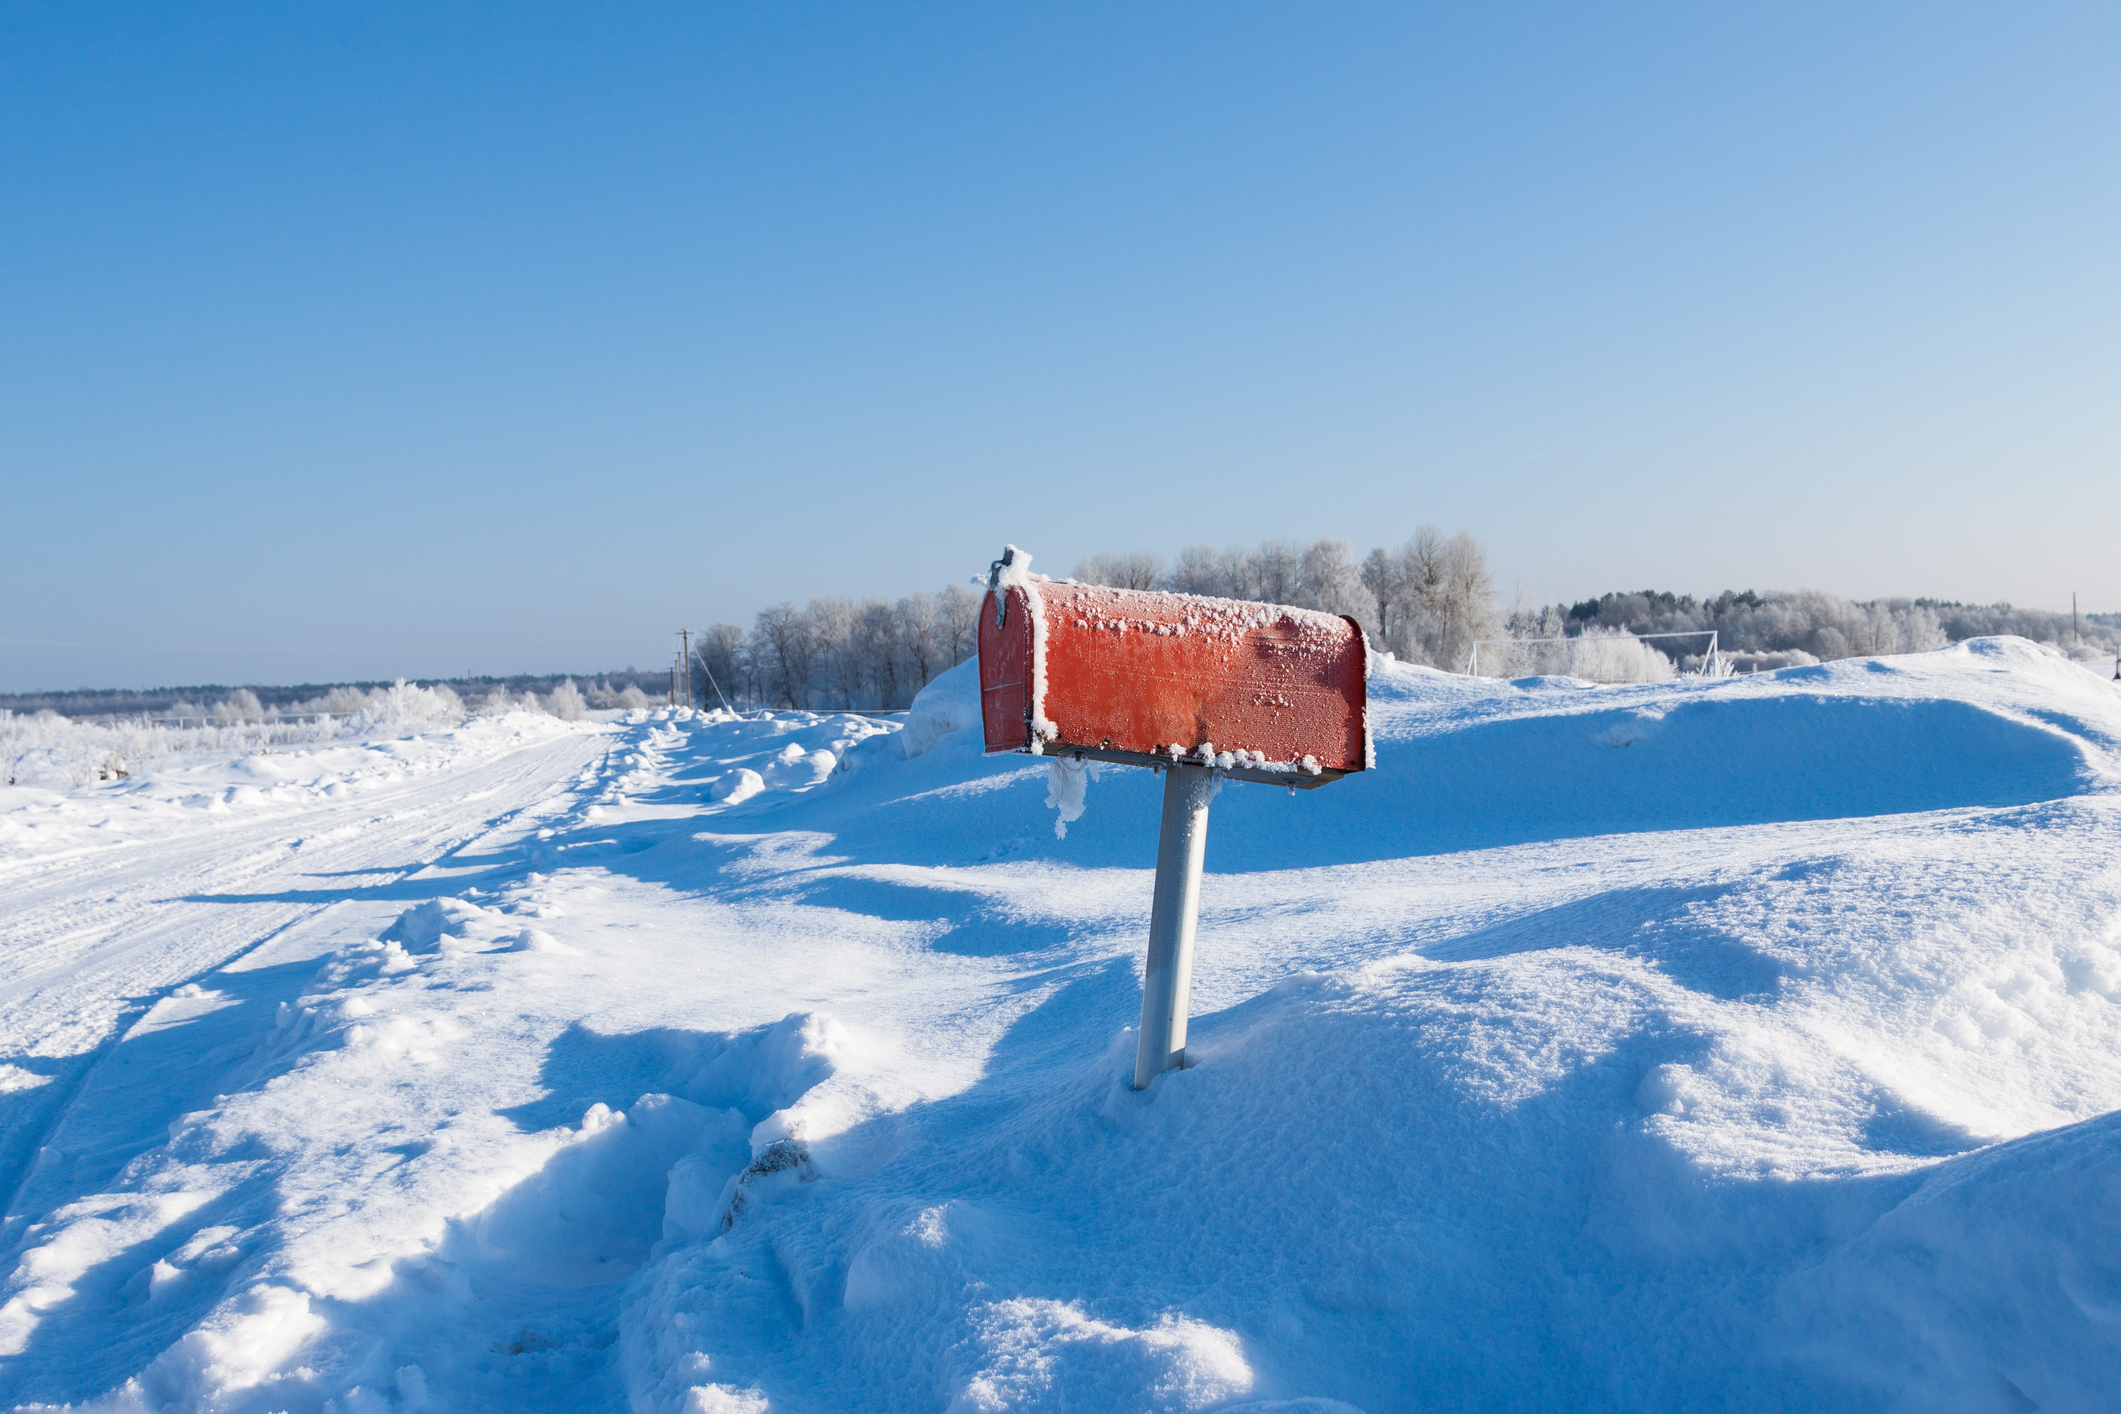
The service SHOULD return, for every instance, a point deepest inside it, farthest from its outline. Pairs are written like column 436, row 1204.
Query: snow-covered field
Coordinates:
column 1749, row 1043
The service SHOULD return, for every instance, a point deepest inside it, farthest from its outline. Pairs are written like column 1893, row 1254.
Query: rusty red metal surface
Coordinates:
column 1269, row 692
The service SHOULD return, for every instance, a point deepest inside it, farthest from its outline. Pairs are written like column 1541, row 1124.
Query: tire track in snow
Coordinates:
column 172, row 891
column 165, row 933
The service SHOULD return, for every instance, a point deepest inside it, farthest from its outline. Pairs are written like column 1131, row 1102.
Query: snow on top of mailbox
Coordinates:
column 1096, row 606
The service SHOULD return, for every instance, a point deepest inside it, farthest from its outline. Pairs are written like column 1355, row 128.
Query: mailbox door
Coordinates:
column 1005, row 670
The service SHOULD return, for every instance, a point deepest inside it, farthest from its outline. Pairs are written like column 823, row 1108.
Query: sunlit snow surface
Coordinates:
column 1746, row 1044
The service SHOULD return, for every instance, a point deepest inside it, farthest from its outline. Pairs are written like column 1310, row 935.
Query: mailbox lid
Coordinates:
column 1140, row 673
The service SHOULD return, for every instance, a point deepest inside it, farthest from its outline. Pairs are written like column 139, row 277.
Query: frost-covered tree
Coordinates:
column 957, row 614
column 883, row 644
column 1242, row 574
column 1427, row 602
column 919, row 621
column 784, row 644
column 837, row 654
column 837, row 632
column 1381, row 581
column 719, row 652
column 1328, row 578
column 1140, row 569
column 1467, row 600
column 1199, row 571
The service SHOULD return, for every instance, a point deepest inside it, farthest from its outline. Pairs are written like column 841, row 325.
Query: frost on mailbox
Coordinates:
column 1259, row 692
column 1201, row 689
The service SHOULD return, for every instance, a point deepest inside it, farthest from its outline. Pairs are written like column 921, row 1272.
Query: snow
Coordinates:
column 1067, row 790
column 949, row 703
column 1752, row 1042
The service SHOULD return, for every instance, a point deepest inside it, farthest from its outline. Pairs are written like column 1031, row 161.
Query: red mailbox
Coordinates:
column 1202, row 689
column 1260, row 692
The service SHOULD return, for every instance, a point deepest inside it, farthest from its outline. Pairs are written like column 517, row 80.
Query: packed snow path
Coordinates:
column 1744, row 1044
column 93, row 934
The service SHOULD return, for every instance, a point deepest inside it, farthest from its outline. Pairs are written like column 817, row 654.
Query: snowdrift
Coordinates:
column 1748, row 1044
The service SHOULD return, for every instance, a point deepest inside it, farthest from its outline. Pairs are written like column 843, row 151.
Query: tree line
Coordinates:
column 837, row 653
column 1425, row 601
column 1789, row 628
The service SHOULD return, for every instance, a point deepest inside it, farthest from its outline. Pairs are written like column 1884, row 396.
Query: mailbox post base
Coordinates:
column 1167, row 980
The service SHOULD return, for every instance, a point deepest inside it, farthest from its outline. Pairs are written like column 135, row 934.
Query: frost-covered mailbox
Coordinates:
column 1201, row 689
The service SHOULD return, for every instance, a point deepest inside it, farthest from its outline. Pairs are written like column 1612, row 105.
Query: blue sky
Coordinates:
column 345, row 341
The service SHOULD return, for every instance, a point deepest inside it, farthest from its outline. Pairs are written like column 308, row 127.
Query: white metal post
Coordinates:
column 1168, row 978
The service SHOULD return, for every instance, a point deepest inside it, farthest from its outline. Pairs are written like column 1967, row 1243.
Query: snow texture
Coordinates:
column 1067, row 785
column 1743, row 1043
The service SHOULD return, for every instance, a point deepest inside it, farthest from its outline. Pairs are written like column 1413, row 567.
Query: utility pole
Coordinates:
column 681, row 675
column 2076, row 628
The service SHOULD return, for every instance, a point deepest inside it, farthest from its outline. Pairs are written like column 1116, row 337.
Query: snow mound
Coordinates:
column 439, row 922
column 947, row 704
column 737, row 786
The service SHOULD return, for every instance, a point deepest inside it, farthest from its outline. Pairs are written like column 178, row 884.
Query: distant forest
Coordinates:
column 1427, row 602
column 249, row 700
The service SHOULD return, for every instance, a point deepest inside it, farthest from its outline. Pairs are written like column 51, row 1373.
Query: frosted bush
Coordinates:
column 408, row 706
column 1616, row 656
column 566, row 702
column 632, row 699
column 242, row 705
column 499, row 702
column 1599, row 655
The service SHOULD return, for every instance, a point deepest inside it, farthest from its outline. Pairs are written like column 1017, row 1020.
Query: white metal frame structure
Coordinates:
column 1707, row 667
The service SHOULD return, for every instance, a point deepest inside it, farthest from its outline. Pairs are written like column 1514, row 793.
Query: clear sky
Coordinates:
column 357, row 340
